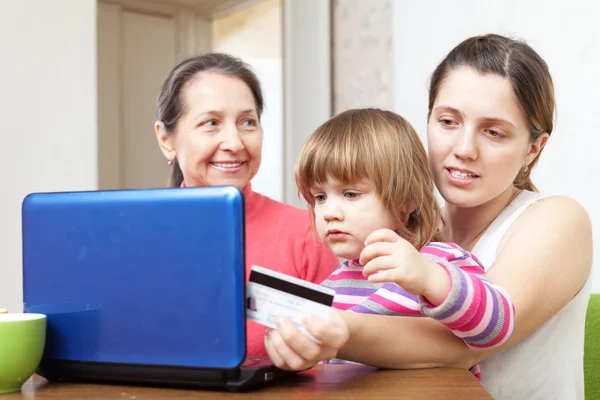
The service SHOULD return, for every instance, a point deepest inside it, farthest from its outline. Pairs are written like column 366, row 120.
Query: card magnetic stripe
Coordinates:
column 291, row 288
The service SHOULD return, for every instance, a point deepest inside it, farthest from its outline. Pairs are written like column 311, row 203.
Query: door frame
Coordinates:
column 193, row 35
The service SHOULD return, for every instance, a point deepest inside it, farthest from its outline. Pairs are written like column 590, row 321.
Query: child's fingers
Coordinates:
column 381, row 263
column 382, row 235
column 381, row 277
column 375, row 250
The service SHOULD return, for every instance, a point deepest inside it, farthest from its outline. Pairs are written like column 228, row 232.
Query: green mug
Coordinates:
column 22, row 341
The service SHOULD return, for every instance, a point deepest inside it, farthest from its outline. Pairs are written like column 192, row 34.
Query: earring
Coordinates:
column 526, row 168
column 170, row 162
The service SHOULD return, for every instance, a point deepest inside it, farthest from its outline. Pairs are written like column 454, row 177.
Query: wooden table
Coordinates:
column 321, row 382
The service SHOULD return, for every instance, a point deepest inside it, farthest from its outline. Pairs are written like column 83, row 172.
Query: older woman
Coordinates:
column 208, row 128
column 491, row 108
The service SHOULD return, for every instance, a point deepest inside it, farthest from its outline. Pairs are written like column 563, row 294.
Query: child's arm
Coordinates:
column 355, row 293
column 450, row 284
column 477, row 311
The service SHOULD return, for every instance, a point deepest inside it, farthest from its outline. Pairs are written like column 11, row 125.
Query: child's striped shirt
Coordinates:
column 477, row 311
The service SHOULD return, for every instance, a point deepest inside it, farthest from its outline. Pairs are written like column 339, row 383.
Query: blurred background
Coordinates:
column 79, row 80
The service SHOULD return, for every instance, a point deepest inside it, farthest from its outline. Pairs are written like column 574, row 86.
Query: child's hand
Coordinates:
column 389, row 258
column 290, row 349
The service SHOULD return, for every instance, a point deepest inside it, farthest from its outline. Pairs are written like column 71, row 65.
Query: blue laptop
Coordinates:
column 141, row 286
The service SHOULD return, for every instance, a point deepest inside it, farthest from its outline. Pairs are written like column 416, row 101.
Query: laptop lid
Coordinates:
column 147, row 277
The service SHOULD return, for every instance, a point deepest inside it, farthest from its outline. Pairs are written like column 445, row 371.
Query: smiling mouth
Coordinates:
column 227, row 165
column 461, row 174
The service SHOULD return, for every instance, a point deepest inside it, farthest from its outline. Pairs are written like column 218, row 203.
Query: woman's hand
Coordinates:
column 389, row 258
column 290, row 349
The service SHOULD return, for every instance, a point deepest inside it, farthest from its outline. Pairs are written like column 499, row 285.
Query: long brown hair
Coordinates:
column 170, row 105
column 527, row 73
column 383, row 148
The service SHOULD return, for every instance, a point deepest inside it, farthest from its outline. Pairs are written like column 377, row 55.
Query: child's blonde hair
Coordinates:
column 383, row 148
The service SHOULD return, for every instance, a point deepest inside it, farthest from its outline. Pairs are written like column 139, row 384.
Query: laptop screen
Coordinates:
column 152, row 277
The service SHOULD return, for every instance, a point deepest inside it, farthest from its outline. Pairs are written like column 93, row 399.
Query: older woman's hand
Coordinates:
column 290, row 349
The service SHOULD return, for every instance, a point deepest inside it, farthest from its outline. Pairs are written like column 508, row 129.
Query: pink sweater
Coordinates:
column 279, row 237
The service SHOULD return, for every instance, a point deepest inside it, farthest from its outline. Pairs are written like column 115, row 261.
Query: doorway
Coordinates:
column 138, row 44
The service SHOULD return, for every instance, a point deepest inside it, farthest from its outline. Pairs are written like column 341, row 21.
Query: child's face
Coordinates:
column 346, row 214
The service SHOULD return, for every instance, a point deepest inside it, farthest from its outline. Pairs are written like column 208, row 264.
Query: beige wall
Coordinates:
column 255, row 35
column 253, row 32
column 48, row 103
column 362, row 54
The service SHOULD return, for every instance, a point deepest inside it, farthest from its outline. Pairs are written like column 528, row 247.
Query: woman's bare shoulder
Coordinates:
column 552, row 233
column 551, row 216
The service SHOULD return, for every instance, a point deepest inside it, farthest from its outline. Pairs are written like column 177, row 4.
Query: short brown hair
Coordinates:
column 383, row 148
column 526, row 71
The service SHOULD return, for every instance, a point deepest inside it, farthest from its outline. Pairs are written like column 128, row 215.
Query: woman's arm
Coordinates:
column 402, row 343
column 542, row 262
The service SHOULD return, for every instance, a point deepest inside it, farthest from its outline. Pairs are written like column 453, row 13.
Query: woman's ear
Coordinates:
column 165, row 140
column 536, row 147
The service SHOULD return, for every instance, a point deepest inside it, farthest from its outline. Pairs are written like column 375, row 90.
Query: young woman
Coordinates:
column 491, row 109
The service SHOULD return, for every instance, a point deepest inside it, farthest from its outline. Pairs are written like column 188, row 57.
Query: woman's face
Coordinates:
column 218, row 138
column 478, row 138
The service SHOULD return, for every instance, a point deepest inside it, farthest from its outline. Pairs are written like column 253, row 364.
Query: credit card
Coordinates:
column 271, row 294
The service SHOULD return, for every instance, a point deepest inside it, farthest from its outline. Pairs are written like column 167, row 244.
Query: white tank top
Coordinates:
column 548, row 364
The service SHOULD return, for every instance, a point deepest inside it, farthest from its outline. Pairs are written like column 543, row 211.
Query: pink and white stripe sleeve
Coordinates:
column 477, row 311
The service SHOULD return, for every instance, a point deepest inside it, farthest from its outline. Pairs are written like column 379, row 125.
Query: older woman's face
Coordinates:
column 218, row 139
column 478, row 138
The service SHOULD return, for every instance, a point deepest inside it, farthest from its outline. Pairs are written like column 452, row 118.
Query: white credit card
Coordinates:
column 271, row 294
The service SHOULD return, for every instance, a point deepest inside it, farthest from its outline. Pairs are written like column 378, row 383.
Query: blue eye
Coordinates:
column 351, row 195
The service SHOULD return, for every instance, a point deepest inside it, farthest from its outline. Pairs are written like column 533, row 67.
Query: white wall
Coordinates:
column 306, row 80
column 566, row 36
column 254, row 34
column 48, row 111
